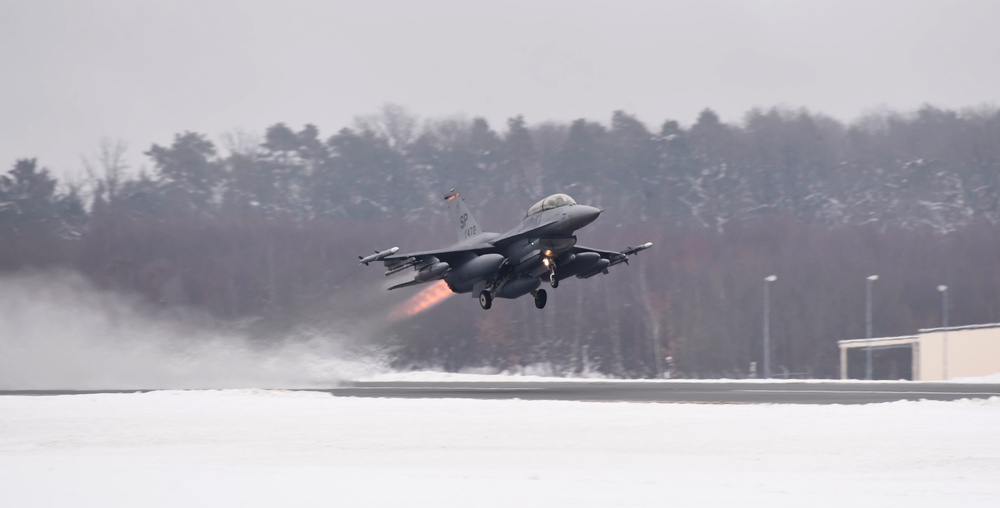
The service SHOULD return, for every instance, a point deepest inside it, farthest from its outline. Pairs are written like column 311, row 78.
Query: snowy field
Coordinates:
column 258, row 448
column 252, row 448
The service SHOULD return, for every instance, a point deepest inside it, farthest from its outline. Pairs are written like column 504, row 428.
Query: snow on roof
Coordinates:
column 954, row 328
column 920, row 331
column 877, row 339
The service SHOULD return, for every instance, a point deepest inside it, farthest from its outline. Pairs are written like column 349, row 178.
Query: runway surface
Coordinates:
column 753, row 392
column 734, row 392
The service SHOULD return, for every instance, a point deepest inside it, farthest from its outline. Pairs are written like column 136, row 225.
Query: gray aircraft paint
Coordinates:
column 510, row 265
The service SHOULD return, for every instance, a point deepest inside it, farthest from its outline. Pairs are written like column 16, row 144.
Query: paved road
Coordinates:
column 755, row 392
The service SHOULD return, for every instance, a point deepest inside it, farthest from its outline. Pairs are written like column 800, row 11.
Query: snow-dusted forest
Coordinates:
column 263, row 231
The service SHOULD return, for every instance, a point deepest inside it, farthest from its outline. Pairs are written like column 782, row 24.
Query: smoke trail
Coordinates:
column 57, row 331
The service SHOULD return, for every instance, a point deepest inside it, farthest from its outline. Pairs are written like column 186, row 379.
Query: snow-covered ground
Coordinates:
column 272, row 448
column 252, row 448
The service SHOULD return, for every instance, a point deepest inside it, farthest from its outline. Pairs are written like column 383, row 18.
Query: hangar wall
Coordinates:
column 967, row 351
column 937, row 354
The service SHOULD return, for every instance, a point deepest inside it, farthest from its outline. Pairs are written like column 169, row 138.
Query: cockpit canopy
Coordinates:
column 553, row 201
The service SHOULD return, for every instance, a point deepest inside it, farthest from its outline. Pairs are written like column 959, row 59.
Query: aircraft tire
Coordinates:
column 553, row 281
column 540, row 298
column 485, row 299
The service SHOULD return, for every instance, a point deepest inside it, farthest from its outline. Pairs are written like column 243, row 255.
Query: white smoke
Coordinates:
column 58, row 331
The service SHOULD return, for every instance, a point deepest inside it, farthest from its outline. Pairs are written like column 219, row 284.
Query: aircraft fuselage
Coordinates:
column 541, row 247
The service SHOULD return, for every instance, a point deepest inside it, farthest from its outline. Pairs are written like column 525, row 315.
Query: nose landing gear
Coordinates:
column 551, row 263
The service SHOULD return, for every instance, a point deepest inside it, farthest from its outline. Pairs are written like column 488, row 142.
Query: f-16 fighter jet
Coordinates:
column 509, row 265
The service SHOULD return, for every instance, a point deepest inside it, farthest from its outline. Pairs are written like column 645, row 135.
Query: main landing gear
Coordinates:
column 540, row 298
column 485, row 299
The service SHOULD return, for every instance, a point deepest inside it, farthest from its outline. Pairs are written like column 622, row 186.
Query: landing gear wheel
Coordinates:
column 540, row 298
column 552, row 280
column 485, row 299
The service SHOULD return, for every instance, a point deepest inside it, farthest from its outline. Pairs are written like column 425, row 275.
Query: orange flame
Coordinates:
column 427, row 298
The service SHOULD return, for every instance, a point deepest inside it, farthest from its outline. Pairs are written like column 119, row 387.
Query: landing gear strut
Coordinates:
column 551, row 264
column 485, row 299
column 540, row 298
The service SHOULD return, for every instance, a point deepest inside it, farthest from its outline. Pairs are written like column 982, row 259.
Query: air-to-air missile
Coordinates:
column 635, row 250
column 378, row 256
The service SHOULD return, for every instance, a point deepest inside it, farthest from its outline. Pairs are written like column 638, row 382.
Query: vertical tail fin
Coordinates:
column 465, row 223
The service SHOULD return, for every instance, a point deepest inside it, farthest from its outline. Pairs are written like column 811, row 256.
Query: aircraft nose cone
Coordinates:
column 588, row 214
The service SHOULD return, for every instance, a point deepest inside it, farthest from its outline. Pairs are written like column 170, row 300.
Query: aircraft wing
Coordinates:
column 432, row 265
column 446, row 255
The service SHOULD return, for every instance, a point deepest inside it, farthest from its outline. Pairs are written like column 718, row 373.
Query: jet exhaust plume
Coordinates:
column 59, row 331
column 422, row 301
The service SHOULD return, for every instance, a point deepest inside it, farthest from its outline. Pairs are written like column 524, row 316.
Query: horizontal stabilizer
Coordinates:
column 407, row 284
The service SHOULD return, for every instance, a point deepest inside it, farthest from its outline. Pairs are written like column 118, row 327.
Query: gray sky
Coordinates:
column 74, row 72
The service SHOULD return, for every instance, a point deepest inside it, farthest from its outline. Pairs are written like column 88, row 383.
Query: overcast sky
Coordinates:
column 76, row 71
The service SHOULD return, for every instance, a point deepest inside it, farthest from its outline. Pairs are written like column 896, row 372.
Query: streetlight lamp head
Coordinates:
column 873, row 277
column 942, row 288
column 771, row 278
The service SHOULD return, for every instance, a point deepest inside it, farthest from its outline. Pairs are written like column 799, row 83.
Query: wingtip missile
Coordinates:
column 378, row 256
column 635, row 250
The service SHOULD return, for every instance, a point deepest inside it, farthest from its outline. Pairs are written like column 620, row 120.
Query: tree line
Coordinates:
column 265, row 231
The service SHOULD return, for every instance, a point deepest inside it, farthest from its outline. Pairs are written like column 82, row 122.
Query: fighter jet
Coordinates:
column 512, row 264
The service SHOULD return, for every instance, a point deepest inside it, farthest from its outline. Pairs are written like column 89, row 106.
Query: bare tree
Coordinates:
column 394, row 123
column 108, row 166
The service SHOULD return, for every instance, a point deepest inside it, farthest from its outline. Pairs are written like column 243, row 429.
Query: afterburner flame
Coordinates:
column 427, row 298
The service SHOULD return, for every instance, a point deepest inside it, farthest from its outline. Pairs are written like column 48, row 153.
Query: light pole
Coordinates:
column 868, row 324
column 944, row 324
column 767, row 324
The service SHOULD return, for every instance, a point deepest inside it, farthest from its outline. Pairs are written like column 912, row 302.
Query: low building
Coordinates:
column 933, row 354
